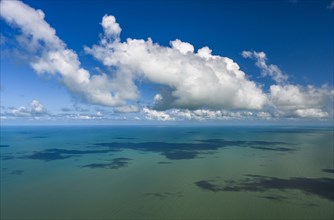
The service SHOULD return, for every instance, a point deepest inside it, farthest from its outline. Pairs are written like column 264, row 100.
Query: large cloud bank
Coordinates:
column 196, row 82
column 194, row 79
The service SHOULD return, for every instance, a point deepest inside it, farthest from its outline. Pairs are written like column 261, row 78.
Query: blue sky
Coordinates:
column 270, row 61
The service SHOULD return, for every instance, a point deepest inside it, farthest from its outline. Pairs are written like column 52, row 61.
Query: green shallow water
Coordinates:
column 131, row 173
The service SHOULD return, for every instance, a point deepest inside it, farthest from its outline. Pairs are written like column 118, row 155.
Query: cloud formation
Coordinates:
column 151, row 114
column 294, row 100
column 266, row 70
column 194, row 80
column 53, row 57
column 35, row 109
column 111, row 27
column 195, row 84
column 206, row 115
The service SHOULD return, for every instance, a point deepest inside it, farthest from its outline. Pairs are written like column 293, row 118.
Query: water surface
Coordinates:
column 166, row 172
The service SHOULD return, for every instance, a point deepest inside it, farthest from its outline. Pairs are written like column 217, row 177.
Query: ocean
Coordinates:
column 166, row 172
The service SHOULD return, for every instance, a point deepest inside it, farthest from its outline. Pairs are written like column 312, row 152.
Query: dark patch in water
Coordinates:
column 265, row 143
column 4, row 145
column 77, row 152
column 114, row 164
column 252, row 144
column 39, row 137
column 180, row 155
column 124, row 138
column 47, row 156
column 16, row 172
column 322, row 187
column 7, row 157
column 292, row 130
column 283, row 149
column 163, row 195
column 179, row 151
column 157, row 195
column 328, row 170
column 172, row 151
column 274, row 197
column 24, row 132
column 260, row 145
column 191, row 132
column 208, row 185
column 243, row 143
column 223, row 143
column 164, row 162
column 59, row 154
column 310, row 205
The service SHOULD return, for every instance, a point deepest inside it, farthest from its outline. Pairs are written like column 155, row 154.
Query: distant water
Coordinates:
column 172, row 172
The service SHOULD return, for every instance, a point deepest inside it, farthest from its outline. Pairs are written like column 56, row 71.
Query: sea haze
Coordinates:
column 166, row 172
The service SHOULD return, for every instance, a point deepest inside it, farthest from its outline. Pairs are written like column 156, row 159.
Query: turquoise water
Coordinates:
column 172, row 172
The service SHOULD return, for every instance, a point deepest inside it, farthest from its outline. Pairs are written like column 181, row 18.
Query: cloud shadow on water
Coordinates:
column 328, row 170
column 124, row 138
column 116, row 163
column 47, row 156
column 39, row 137
column 7, row 157
column 60, row 154
column 322, row 187
column 172, row 151
column 260, row 145
column 282, row 149
column 164, row 162
column 163, row 195
column 180, row 151
column 277, row 198
column 208, row 185
column 16, row 172
column 4, row 145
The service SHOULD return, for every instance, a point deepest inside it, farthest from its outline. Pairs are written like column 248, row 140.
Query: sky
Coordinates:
column 168, row 61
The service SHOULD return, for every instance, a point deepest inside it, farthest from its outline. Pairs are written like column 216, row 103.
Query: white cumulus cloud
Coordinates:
column 127, row 109
column 195, row 80
column 151, row 114
column 195, row 84
column 31, row 22
column 301, row 101
column 53, row 57
column 111, row 27
column 35, row 109
column 311, row 113
column 183, row 47
column 204, row 115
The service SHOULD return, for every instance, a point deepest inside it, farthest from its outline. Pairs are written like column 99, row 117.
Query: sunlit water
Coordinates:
column 157, row 172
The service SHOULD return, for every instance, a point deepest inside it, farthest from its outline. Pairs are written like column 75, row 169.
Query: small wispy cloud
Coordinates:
column 35, row 109
column 266, row 69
